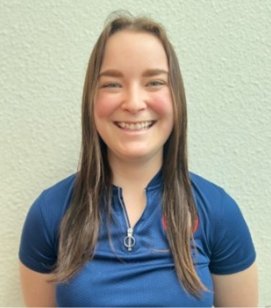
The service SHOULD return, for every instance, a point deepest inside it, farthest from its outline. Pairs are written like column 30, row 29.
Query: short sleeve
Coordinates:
column 232, row 247
column 37, row 248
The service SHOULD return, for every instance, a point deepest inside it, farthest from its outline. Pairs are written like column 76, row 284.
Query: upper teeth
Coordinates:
column 135, row 126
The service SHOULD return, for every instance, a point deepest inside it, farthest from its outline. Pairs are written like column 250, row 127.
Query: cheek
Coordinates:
column 104, row 106
column 162, row 104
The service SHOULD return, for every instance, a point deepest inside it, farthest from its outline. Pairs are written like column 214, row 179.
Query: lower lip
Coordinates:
column 135, row 132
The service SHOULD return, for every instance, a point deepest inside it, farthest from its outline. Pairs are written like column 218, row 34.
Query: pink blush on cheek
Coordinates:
column 104, row 107
column 161, row 104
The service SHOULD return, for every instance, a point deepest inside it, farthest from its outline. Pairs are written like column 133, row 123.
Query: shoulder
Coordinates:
column 214, row 205
column 210, row 197
column 222, row 228
column 61, row 188
column 55, row 200
column 60, row 192
column 38, row 249
column 202, row 186
column 49, row 208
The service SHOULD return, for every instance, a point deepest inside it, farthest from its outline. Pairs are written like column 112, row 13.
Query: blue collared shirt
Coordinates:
column 136, row 269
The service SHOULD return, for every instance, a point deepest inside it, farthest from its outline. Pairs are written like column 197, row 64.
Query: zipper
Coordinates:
column 129, row 240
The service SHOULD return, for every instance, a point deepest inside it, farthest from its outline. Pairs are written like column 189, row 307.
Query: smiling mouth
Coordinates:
column 135, row 126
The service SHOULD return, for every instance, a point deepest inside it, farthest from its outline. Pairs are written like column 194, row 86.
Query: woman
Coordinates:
column 133, row 227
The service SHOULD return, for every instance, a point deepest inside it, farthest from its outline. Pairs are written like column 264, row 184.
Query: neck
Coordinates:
column 136, row 174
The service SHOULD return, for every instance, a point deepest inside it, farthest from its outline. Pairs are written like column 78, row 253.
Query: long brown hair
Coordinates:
column 80, row 225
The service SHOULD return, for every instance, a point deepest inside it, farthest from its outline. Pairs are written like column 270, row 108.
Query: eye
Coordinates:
column 111, row 85
column 156, row 83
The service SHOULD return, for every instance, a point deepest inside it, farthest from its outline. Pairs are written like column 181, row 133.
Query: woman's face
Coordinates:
column 133, row 109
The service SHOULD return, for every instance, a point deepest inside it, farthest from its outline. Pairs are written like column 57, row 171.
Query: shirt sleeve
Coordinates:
column 37, row 248
column 232, row 246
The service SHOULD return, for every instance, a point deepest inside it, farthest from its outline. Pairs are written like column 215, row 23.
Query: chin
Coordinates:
column 143, row 155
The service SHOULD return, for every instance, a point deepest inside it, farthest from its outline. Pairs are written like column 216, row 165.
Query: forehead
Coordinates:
column 127, row 46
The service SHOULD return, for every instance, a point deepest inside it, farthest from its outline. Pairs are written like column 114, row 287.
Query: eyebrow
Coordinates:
column 147, row 73
column 154, row 72
column 111, row 73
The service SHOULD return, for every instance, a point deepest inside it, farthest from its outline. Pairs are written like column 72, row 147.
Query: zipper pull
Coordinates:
column 129, row 240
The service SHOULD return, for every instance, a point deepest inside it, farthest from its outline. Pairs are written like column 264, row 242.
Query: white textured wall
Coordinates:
column 224, row 52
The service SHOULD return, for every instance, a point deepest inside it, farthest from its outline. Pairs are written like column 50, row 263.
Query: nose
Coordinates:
column 134, row 100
